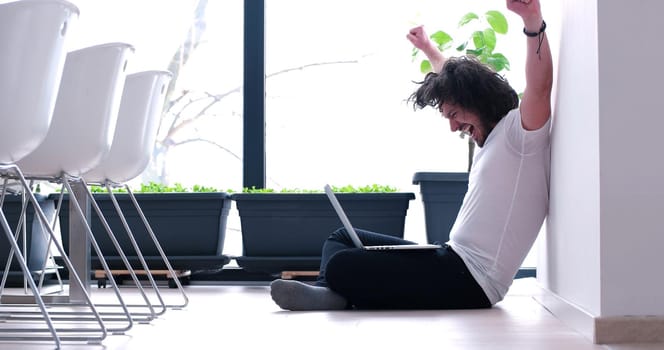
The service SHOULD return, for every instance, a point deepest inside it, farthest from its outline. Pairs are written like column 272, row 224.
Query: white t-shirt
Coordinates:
column 506, row 203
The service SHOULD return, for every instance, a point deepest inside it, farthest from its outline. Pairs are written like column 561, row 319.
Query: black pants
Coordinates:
column 397, row 279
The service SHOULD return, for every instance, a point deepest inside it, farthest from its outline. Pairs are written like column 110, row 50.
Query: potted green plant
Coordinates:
column 36, row 237
column 189, row 223
column 443, row 192
column 285, row 231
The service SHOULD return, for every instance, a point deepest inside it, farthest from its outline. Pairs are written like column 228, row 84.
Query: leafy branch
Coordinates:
column 481, row 43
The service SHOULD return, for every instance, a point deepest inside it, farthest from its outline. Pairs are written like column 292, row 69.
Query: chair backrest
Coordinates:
column 136, row 131
column 32, row 55
column 85, row 112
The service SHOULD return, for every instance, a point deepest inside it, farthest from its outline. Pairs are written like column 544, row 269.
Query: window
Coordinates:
column 338, row 74
column 200, row 137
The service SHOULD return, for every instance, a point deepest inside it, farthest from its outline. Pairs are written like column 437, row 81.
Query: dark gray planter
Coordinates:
column 442, row 195
column 37, row 237
column 286, row 231
column 190, row 227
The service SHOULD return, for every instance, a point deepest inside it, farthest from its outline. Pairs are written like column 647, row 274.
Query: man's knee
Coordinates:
column 340, row 266
column 340, row 235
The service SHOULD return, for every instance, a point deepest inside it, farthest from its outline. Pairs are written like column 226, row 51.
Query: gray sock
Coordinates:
column 298, row 296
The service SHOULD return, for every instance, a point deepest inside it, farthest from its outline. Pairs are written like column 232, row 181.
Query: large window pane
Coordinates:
column 335, row 108
column 200, row 136
column 339, row 73
column 200, row 41
column 208, row 137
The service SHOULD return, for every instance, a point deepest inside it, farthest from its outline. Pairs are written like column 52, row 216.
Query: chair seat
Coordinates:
column 31, row 70
column 138, row 119
column 85, row 113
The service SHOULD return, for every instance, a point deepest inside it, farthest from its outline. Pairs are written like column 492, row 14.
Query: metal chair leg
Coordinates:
column 81, row 333
column 159, row 248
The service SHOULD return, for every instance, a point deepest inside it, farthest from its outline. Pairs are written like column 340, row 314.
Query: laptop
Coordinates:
column 356, row 239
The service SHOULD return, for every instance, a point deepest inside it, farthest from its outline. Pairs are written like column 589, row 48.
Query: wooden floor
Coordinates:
column 244, row 317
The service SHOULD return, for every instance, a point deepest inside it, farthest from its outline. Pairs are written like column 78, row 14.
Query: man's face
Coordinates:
column 466, row 122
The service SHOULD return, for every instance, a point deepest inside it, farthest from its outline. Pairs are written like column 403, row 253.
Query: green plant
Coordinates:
column 364, row 189
column 481, row 43
column 153, row 187
column 100, row 189
column 374, row 188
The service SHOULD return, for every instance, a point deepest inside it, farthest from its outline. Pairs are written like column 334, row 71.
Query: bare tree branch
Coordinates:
column 179, row 122
column 186, row 102
column 191, row 42
column 192, row 140
column 309, row 66
column 175, row 126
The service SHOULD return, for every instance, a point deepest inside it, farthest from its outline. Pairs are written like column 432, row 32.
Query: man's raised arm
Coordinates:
column 536, row 101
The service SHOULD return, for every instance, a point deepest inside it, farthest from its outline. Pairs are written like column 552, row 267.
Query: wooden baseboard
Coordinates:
column 629, row 329
column 167, row 273
column 287, row 275
column 604, row 330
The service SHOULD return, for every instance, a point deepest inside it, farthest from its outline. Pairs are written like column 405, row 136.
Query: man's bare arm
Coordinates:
column 536, row 101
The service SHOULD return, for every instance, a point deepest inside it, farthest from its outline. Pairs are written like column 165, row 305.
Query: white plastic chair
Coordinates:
column 33, row 46
column 136, row 131
column 81, row 132
column 85, row 114
column 32, row 42
column 131, row 150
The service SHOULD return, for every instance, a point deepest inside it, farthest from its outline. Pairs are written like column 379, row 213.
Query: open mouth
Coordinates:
column 467, row 130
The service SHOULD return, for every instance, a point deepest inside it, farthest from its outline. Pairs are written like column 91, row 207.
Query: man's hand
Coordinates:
column 529, row 11
column 419, row 38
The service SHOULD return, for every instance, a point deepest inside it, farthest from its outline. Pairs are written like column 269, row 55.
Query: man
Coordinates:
column 502, row 212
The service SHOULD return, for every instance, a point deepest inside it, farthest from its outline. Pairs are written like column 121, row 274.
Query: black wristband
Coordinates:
column 534, row 34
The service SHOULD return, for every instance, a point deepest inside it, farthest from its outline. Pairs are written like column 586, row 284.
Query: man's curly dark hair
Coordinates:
column 470, row 84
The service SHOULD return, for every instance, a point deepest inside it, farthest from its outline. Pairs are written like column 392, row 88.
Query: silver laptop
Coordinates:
column 356, row 239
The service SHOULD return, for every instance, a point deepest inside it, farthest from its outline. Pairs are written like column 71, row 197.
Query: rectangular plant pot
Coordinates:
column 36, row 238
column 286, row 231
column 442, row 196
column 190, row 227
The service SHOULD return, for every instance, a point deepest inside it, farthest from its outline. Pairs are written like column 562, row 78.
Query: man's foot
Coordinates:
column 298, row 296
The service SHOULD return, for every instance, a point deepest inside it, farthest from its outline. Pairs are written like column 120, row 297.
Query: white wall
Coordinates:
column 569, row 256
column 632, row 163
column 603, row 249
